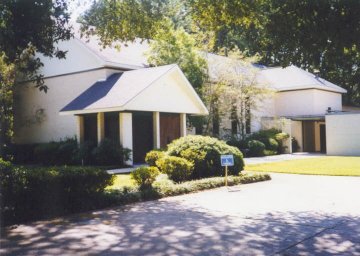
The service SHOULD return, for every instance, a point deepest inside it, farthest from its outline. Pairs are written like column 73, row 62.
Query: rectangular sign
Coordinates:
column 227, row 160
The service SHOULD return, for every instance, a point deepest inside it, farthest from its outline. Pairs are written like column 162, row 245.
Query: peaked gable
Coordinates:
column 163, row 89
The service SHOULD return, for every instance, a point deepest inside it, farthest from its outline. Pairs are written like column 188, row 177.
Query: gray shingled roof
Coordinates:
column 116, row 90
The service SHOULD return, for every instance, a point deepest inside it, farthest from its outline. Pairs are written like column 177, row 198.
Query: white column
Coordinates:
column 100, row 127
column 156, row 129
column 286, row 127
column 126, row 134
column 80, row 129
column 183, row 125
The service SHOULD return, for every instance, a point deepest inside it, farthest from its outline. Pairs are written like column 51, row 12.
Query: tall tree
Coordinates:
column 26, row 27
column 170, row 45
column 319, row 36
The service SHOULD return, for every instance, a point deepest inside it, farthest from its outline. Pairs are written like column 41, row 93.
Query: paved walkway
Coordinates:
column 279, row 158
column 124, row 170
column 289, row 215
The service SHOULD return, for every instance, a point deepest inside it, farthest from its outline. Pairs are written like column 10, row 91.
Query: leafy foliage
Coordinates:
column 27, row 27
column 154, row 155
column 109, row 152
column 7, row 79
column 29, row 194
column 178, row 169
column 256, row 148
column 204, row 152
column 170, row 45
column 145, row 176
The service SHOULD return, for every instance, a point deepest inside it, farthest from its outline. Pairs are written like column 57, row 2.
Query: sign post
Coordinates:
column 227, row 160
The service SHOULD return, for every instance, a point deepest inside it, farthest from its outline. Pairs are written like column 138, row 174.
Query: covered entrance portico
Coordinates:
column 139, row 131
column 142, row 109
column 309, row 132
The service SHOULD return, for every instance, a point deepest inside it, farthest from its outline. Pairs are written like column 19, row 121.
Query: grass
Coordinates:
column 331, row 165
column 122, row 180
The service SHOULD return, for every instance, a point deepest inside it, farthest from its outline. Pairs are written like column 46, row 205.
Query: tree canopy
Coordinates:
column 27, row 27
column 316, row 35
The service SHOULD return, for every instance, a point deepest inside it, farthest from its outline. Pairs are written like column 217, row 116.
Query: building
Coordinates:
column 100, row 93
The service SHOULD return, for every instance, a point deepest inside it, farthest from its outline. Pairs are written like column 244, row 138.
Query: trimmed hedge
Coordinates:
column 178, row 169
column 163, row 187
column 145, row 176
column 204, row 152
column 28, row 194
column 154, row 155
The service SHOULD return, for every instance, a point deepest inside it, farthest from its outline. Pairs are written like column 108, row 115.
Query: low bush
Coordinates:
column 167, row 189
column 204, row 152
column 268, row 152
column 272, row 144
column 68, row 152
column 295, row 145
column 178, row 169
column 145, row 176
column 57, row 153
column 29, row 194
column 152, row 156
column 256, row 148
column 280, row 138
column 110, row 152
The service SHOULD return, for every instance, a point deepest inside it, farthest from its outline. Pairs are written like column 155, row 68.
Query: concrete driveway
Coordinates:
column 290, row 215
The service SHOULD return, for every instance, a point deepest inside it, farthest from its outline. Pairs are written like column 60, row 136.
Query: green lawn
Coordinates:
column 332, row 165
column 122, row 180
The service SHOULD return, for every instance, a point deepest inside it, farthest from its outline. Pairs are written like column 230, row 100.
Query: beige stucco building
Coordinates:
column 100, row 93
column 95, row 94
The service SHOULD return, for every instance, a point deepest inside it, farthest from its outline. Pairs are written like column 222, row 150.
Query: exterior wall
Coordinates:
column 37, row 116
column 264, row 108
column 167, row 95
column 324, row 99
column 296, row 132
column 306, row 102
column 343, row 134
column 78, row 58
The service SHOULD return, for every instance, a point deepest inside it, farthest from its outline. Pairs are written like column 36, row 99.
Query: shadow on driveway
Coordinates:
column 171, row 228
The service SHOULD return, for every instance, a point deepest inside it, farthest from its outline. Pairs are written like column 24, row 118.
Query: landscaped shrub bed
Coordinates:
column 68, row 152
column 28, row 194
column 164, row 187
column 263, row 142
column 204, row 153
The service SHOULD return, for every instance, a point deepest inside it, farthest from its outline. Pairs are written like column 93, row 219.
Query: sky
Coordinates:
column 77, row 7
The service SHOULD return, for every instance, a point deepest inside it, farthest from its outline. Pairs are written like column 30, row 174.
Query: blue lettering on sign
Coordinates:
column 227, row 160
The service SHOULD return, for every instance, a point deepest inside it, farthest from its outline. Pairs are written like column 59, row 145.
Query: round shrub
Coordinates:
column 256, row 148
column 178, row 169
column 273, row 145
column 204, row 152
column 110, row 153
column 152, row 156
column 145, row 176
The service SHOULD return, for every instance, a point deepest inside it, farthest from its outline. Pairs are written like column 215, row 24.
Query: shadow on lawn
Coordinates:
column 169, row 228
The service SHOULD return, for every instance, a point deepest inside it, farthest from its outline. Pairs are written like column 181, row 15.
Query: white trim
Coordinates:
column 126, row 134
column 156, row 129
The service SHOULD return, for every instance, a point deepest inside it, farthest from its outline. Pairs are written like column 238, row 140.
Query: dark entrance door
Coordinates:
column 323, row 138
column 142, row 135
column 169, row 128
column 309, row 136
